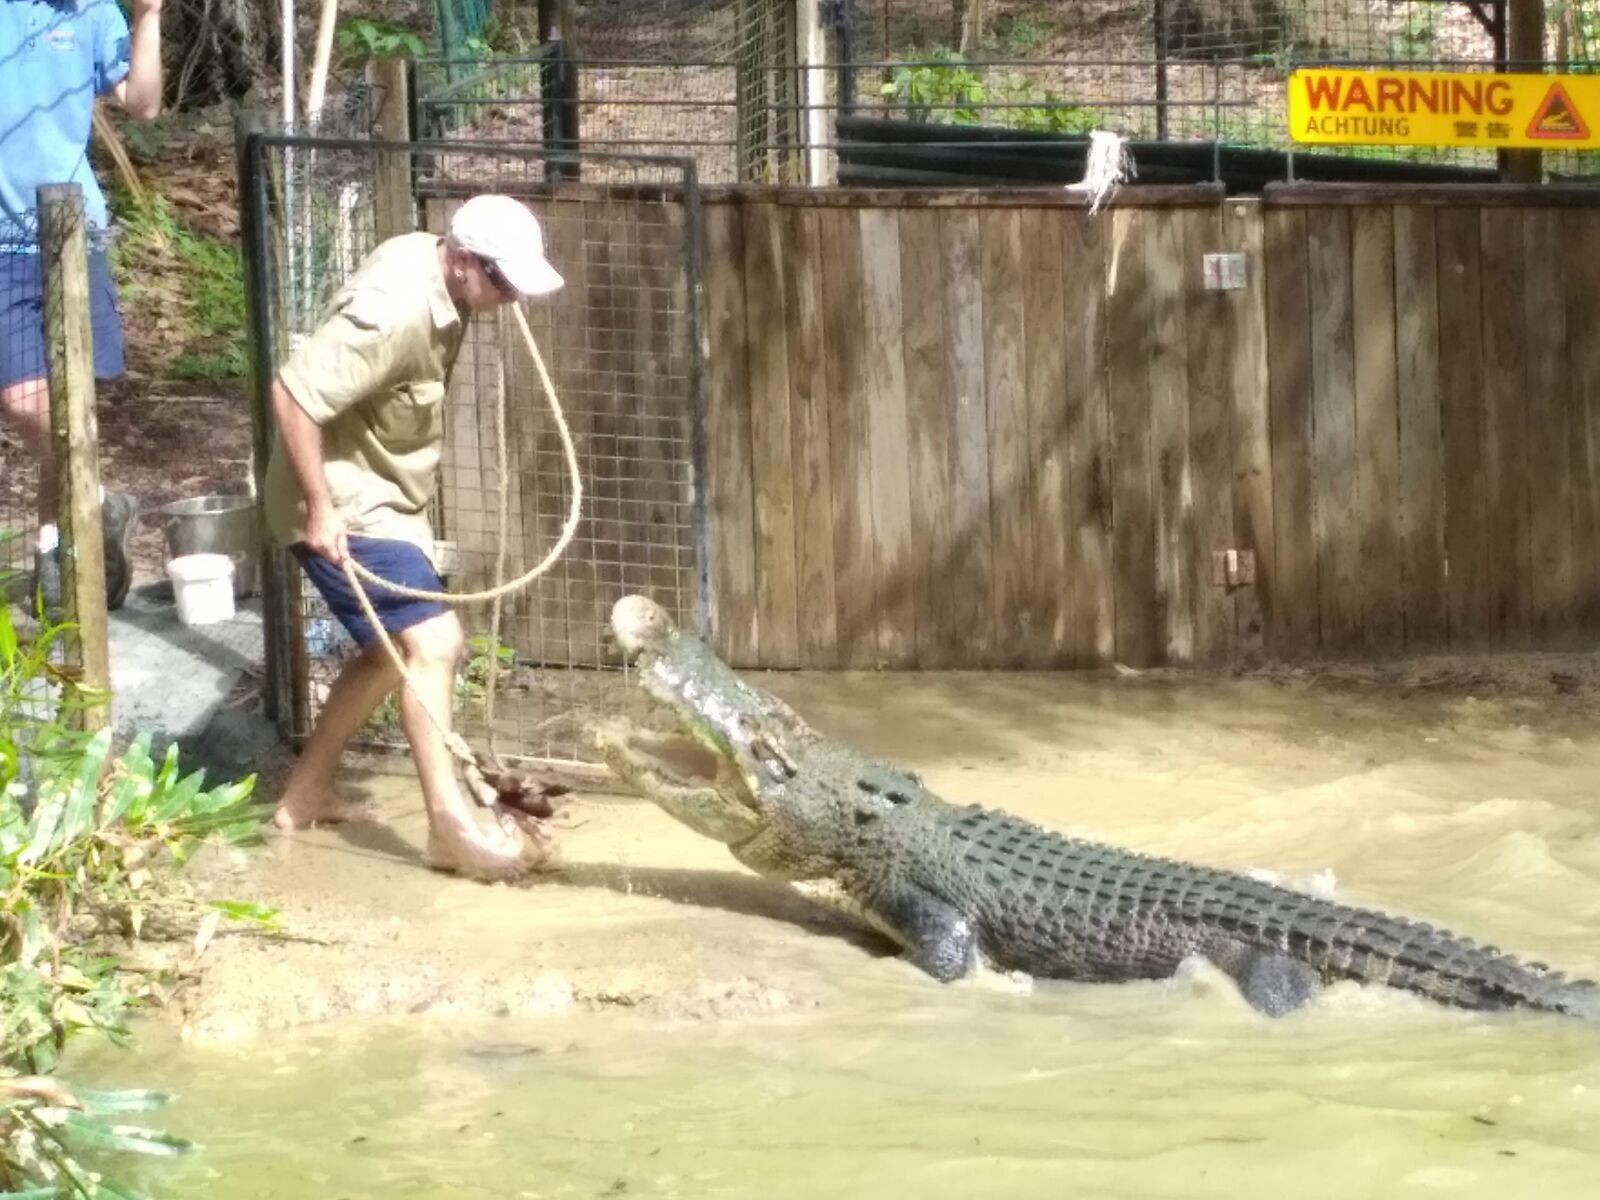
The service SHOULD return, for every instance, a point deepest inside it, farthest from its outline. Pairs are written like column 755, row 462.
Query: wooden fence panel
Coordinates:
column 855, row 570
column 1506, row 428
column 767, row 334
column 1460, row 292
column 1335, row 523
column 1548, row 398
column 1087, row 430
column 729, row 484
column 1293, row 610
column 966, row 575
column 1172, row 487
column 1211, row 338
column 1422, row 481
column 1580, row 232
column 985, row 434
column 1044, row 387
column 1377, row 428
column 894, row 596
column 1244, row 315
column 1128, row 351
column 812, row 454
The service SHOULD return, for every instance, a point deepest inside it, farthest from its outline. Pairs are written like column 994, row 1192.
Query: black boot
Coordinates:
column 119, row 515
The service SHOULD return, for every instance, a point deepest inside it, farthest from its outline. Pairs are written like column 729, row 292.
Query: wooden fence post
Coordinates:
column 64, row 267
column 391, row 93
column 1524, row 47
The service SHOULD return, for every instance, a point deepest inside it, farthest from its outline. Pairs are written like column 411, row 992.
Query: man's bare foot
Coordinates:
column 469, row 851
column 295, row 812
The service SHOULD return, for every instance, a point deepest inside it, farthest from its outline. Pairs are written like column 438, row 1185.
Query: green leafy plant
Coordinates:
column 945, row 90
column 362, row 39
column 87, row 839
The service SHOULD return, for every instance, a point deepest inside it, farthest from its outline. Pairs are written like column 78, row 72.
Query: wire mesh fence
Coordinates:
column 620, row 341
column 741, row 86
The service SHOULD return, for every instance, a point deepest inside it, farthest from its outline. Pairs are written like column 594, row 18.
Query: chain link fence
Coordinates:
column 620, row 341
column 744, row 85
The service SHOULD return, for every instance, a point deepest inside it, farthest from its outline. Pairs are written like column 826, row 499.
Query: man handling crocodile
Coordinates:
column 962, row 886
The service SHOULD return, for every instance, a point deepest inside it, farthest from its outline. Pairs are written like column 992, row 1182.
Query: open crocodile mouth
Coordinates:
column 674, row 758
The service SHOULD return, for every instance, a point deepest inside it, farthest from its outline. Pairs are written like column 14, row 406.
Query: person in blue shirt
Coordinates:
column 56, row 58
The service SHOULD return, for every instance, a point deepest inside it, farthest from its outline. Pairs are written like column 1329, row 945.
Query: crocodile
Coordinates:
column 960, row 888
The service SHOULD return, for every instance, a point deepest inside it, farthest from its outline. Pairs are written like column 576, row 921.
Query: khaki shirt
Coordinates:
column 373, row 376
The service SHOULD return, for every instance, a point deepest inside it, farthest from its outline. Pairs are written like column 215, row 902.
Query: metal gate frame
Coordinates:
column 286, row 684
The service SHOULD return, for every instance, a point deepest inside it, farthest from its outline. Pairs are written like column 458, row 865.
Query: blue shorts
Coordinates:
column 22, row 352
column 386, row 558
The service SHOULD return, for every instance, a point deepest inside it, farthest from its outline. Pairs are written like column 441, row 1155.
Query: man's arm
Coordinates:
column 301, row 440
column 139, row 92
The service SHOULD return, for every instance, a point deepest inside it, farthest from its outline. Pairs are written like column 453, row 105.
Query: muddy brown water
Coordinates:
column 656, row 1022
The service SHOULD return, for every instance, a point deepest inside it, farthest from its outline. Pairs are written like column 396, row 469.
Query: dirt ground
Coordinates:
column 1309, row 773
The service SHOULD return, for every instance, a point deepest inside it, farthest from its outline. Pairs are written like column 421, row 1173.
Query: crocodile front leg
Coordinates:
column 938, row 937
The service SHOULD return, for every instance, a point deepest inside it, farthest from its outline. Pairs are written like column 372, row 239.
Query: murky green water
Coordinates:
column 1170, row 1091
column 1482, row 816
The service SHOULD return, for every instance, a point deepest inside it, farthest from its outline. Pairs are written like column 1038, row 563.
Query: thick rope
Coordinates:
column 471, row 764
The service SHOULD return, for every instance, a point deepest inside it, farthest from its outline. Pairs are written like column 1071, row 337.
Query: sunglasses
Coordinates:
column 496, row 276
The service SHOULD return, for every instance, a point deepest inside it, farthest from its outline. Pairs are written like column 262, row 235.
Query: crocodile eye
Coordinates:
column 898, row 798
column 867, row 786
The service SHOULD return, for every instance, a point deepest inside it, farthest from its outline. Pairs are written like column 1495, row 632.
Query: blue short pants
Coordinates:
column 386, row 558
column 22, row 352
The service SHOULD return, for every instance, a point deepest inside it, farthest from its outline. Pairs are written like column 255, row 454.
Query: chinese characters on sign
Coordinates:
column 1427, row 108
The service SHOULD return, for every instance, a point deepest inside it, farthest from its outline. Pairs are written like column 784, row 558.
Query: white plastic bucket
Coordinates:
column 203, row 587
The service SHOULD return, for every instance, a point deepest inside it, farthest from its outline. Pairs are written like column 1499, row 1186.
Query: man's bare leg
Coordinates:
column 26, row 408
column 308, row 797
column 456, row 841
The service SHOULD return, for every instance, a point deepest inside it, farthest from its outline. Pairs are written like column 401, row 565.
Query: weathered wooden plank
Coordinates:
column 1506, row 429
column 1210, row 326
column 808, row 419
column 1422, row 563
column 1378, row 496
column 930, row 404
column 895, row 593
column 1581, row 240
column 967, row 593
column 1173, row 485
column 1549, row 402
column 766, row 331
column 1336, row 529
column 1044, row 316
column 844, row 332
column 1130, row 314
column 1249, row 386
column 1467, row 586
column 1007, row 402
column 1290, row 598
column 1092, row 600
column 729, row 485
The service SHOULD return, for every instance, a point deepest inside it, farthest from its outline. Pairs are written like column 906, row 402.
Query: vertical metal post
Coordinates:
column 813, row 46
column 64, row 267
column 1161, row 69
column 558, row 90
column 1524, row 47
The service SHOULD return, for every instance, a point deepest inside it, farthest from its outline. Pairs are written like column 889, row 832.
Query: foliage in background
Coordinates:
column 87, row 837
column 362, row 39
column 195, row 283
column 944, row 89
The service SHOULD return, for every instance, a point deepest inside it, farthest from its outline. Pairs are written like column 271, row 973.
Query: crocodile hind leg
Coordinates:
column 1274, row 983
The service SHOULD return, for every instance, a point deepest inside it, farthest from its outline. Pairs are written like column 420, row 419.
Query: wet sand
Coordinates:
column 1462, row 798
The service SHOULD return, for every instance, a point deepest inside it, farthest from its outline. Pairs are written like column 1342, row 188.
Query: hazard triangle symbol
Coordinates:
column 1558, row 118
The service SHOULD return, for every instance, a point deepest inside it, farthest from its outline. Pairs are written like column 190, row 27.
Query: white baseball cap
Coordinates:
column 504, row 231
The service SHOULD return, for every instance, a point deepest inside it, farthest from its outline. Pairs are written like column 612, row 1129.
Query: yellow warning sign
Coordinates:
column 1441, row 108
